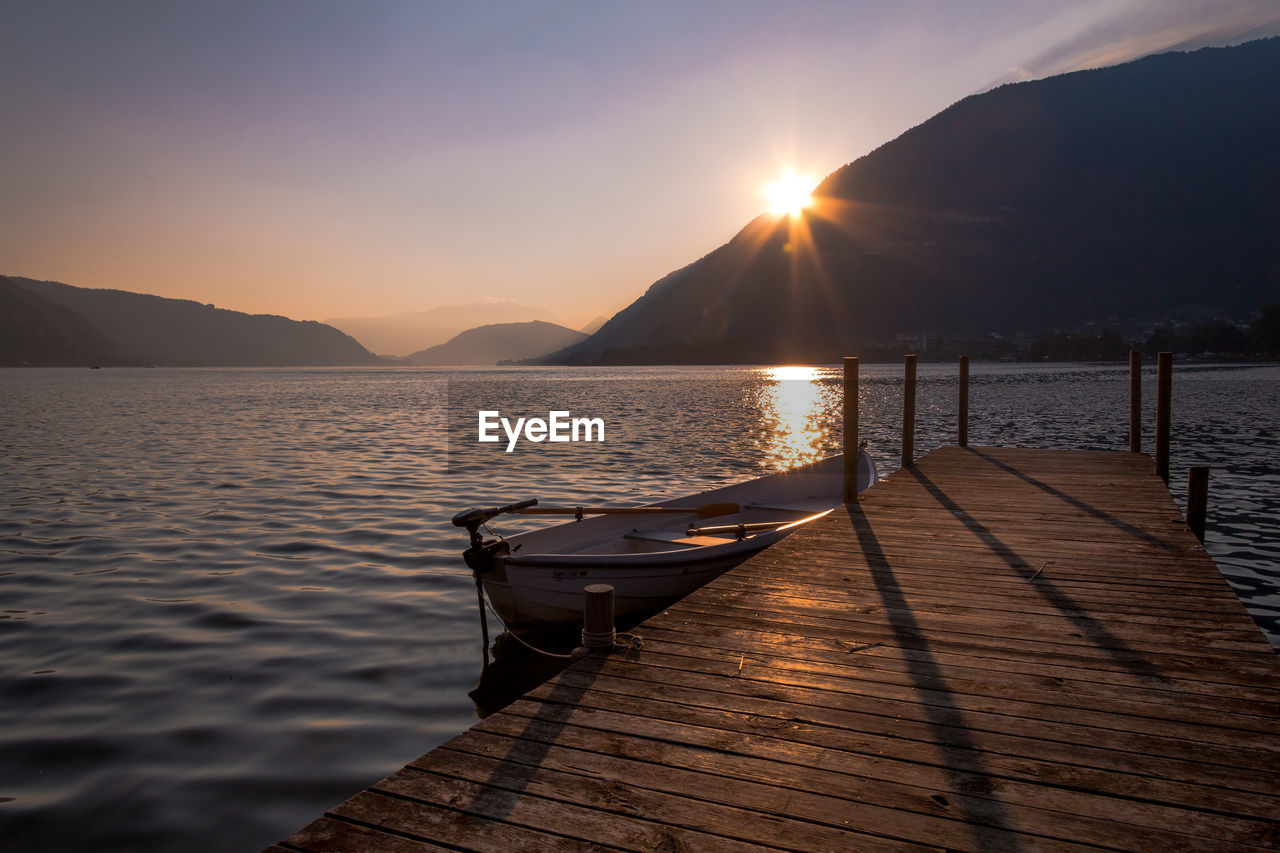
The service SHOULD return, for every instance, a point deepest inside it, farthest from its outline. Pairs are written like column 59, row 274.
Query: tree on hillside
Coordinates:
column 1265, row 331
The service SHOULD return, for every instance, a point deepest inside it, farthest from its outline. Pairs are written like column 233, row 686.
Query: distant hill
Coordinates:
column 499, row 342
column 1141, row 190
column 179, row 332
column 39, row 333
column 401, row 334
column 594, row 326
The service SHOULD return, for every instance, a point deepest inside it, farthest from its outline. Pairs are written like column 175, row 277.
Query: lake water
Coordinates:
column 230, row 599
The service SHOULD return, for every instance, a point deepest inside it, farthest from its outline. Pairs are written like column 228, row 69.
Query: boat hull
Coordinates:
column 540, row 583
column 547, row 593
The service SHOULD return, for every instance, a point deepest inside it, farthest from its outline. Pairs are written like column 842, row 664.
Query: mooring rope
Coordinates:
column 617, row 640
column 522, row 641
column 599, row 639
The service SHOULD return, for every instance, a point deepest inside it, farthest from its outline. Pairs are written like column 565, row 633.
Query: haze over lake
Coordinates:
column 232, row 598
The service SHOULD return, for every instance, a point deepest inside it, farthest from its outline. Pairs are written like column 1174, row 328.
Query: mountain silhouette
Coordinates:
column 180, row 332
column 411, row 331
column 36, row 332
column 1136, row 191
column 498, row 342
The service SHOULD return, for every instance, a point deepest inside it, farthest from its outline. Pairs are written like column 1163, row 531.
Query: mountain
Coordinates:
column 499, row 342
column 179, row 332
column 1136, row 191
column 400, row 334
column 39, row 333
column 594, row 326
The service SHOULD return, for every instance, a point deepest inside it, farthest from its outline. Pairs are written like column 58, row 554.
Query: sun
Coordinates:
column 790, row 194
column 792, row 372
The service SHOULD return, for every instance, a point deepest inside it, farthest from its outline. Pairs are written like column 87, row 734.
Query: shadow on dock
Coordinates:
column 1090, row 628
column 1099, row 514
column 516, row 769
column 963, row 759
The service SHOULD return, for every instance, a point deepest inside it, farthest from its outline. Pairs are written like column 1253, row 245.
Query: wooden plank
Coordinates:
column 886, row 803
column 1232, row 764
column 482, row 831
column 943, row 593
column 1228, row 668
column 591, row 812
column 1008, row 623
column 1233, row 678
column 331, row 835
column 1142, row 720
column 814, row 770
column 960, row 607
column 1231, row 714
column 888, row 738
column 598, row 781
column 1006, row 805
column 996, row 649
column 772, row 650
column 1168, row 687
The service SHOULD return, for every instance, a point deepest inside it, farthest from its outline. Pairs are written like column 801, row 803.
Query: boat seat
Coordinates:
column 675, row 537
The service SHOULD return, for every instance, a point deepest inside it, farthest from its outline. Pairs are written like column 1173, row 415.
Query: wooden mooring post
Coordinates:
column 598, row 632
column 909, row 414
column 1197, row 499
column 1164, row 393
column 849, row 488
column 963, row 427
column 1135, row 401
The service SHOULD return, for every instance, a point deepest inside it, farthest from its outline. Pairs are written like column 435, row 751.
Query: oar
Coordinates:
column 706, row 510
column 740, row 529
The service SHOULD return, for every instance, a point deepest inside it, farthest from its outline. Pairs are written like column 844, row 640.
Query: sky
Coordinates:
column 324, row 158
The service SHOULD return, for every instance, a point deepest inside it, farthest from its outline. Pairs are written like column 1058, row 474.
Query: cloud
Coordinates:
column 1153, row 26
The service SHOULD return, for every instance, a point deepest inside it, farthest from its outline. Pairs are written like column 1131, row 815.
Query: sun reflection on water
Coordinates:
column 796, row 406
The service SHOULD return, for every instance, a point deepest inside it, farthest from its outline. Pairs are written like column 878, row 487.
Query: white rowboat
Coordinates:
column 651, row 556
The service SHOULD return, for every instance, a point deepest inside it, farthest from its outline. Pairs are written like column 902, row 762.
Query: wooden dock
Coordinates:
column 992, row 650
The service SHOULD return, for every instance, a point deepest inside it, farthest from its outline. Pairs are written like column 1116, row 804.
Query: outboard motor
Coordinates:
column 479, row 557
